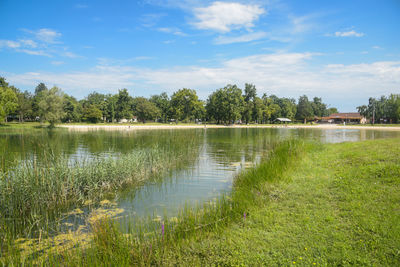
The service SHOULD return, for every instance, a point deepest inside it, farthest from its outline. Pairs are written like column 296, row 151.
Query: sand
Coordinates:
column 202, row 126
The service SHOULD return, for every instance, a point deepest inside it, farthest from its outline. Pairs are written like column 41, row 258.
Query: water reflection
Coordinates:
column 221, row 154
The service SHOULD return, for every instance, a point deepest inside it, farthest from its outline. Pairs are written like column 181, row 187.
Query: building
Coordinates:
column 284, row 120
column 350, row 118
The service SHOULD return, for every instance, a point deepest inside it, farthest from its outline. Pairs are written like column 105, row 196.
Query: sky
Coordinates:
column 343, row 51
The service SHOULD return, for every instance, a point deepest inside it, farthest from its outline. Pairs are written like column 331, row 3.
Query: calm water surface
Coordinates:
column 221, row 153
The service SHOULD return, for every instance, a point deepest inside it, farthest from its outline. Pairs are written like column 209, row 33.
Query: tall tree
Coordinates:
column 51, row 106
column 225, row 104
column 123, row 105
column 319, row 108
column 8, row 100
column 162, row 102
column 250, row 93
column 24, row 105
column 145, row 110
column 71, row 109
column 304, row 109
column 39, row 91
column 184, row 103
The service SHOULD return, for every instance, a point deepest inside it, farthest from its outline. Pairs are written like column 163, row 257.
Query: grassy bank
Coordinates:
column 306, row 204
column 340, row 206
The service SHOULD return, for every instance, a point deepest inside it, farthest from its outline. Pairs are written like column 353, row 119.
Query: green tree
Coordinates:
column 145, row 110
column 319, row 108
column 24, row 105
column 184, row 104
column 331, row 110
column 257, row 112
column 123, row 105
column 91, row 113
column 51, row 105
column 162, row 102
column 225, row 104
column 304, row 109
column 99, row 100
column 8, row 100
column 39, row 91
column 111, row 104
column 71, row 109
column 250, row 93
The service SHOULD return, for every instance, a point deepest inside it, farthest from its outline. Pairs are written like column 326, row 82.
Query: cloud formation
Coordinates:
column 351, row 33
column 253, row 36
column 283, row 74
column 224, row 16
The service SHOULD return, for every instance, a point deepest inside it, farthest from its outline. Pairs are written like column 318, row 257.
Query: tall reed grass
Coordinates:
column 33, row 194
column 148, row 240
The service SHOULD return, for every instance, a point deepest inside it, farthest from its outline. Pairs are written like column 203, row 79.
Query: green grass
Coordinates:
column 340, row 207
column 305, row 204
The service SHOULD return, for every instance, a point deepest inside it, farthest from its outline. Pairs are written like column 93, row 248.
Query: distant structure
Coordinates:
column 351, row 118
column 284, row 120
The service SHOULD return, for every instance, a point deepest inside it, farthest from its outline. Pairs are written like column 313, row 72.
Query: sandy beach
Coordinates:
column 202, row 126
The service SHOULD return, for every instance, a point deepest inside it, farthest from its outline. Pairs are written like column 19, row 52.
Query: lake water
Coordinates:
column 220, row 154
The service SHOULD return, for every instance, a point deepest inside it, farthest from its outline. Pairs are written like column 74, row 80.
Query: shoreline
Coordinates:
column 213, row 126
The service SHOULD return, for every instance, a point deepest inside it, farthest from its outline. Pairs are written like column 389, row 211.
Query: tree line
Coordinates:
column 226, row 105
column 382, row 110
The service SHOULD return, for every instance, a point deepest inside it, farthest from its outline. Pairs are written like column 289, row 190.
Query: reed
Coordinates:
column 33, row 194
column 148, row 240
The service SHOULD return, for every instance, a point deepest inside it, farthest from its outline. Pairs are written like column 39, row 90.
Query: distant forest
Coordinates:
column 225, row 105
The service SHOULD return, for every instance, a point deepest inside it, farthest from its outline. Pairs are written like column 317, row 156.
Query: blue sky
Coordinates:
column 342, row 51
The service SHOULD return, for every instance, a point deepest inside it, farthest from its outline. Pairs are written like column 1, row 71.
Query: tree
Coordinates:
column 257, row 112
column 225, row 104
column 91, row 113
column 71, row 109
column 162, row 102
column 319, row 108
column 288, row 107
column 51, row 105
column 99, row 100
column 8, row 100
column 111, row 104
column 332, row 110
column 250, row 93
column 123, row 105
column 304, row 109
column 39, row 91
column 184, row 103
column 145, row 110
column 24, row 105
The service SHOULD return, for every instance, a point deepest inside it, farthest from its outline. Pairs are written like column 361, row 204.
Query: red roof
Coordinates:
column 350, row 115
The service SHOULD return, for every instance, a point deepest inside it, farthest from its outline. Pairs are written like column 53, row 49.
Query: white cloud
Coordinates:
column 29, row 43
column 34, row 52
column 9, row 44
column 43, row 42
column 47, row 35
column 351, row 33
column 240, row 39
column 174, row 31
column 224, row 16
column 283, row 74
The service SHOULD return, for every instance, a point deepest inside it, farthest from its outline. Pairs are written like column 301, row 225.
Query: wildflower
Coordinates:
column 162, row 229
column 294, row 262
column 244, row 215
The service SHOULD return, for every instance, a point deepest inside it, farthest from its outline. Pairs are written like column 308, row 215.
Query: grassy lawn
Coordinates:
column 308, row 205
column 340, row 206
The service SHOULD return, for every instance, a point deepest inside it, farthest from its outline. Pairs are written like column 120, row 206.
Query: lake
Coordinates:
column 217, row 156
